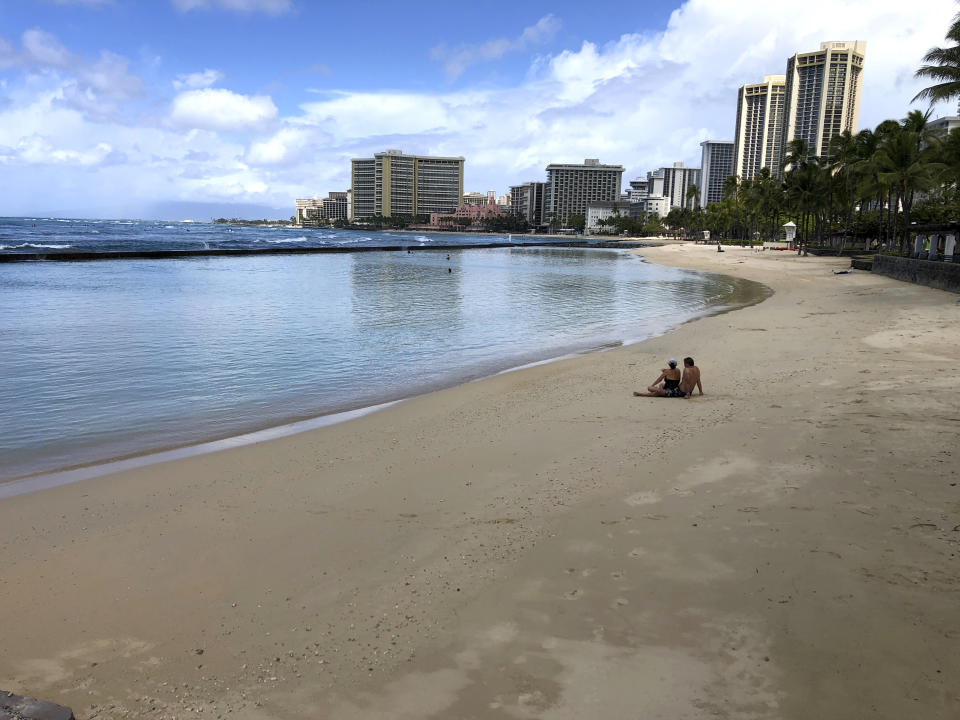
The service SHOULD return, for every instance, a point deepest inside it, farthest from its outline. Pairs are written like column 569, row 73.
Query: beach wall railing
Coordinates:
column 932, row 273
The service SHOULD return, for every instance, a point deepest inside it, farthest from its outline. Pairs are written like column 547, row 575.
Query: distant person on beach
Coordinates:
column 668, row 382
column 675, row 384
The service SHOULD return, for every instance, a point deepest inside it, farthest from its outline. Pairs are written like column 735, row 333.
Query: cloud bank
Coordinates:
column 641, row 100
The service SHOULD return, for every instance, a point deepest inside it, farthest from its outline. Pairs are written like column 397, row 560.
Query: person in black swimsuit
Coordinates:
column 667, row 385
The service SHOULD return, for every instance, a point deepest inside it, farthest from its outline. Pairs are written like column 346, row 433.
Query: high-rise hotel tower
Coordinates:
column 716, row 165
column 392, row 183
column 570, row 188
column 758, row 135
column 822, row 94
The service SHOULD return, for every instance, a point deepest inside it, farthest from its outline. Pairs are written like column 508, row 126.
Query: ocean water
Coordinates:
column 30, row 235
column 104, row 359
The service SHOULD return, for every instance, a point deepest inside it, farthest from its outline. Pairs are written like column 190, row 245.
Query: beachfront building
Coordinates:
column 716, row 165
column 394, row 183
column 570, row 188
column 639, row 188
column 945, row 125
column 527, row 200
column 314, row 211
column 466, row 216
column 473, row 198
column 653, row 205
column 643, row 201
column 759, row 127
column 673, row 184
column 822, row 94
column 337, row 206
column 307, row 209
column 603, row 211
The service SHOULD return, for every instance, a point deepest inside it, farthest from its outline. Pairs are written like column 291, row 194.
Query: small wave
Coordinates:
column 348, row 241
column 168, row 227
column 302, row 238
column 33, row 245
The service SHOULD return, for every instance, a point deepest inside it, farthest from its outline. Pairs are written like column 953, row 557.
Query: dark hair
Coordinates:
column 672, row 363
column 688, row 361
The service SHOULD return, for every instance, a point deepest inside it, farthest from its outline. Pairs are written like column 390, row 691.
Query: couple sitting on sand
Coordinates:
column 672, row 383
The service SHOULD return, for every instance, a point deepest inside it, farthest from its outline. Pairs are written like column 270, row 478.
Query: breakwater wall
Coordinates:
column 940, row 275
column 61, row 256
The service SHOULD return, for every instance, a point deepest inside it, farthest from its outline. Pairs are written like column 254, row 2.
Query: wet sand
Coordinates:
column 541, row 543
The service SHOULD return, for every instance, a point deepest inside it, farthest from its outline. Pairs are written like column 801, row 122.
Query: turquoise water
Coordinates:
column 104, row 359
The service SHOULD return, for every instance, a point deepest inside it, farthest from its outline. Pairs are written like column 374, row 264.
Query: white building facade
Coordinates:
column 673, row 183
column 822, row 94
column 758, row 136
column 570, row 188
column 716, row 165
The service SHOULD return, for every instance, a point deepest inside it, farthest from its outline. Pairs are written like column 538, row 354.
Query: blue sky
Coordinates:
column 121, row 107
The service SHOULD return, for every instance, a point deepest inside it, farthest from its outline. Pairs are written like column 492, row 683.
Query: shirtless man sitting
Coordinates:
column 689, row 380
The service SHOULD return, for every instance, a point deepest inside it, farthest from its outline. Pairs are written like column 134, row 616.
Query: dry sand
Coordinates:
column 541, row 544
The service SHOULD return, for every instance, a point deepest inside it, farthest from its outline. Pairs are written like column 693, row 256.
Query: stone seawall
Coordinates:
column 940, row 275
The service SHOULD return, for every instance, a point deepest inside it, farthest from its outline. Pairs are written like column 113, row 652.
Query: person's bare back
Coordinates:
column 691, row 378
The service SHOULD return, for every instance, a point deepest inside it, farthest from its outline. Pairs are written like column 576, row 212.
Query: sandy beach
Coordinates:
column 542, row 544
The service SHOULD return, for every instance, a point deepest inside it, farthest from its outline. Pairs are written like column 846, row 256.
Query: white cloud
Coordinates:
column 40, row 150
column 286, row 147
column 639, row 100
column 456, row 60
column 271, row 7
column 92, row 86
column 42, row 48
column 219, row 109
column 197, row 80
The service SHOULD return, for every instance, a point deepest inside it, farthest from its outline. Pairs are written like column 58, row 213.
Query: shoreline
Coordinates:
column 540, row 543
column 743, row 296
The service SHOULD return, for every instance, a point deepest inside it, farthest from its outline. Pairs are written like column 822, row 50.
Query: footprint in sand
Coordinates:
column 573, row 594
column 619, row 602
column 637, row 553
column 617, row 575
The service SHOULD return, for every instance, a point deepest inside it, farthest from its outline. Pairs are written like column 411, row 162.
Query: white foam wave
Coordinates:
column 33, row 245
column 302, row 238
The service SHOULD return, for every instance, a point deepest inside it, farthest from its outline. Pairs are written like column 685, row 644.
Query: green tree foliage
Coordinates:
column 871, row 185
column 576, row 221
column 506, row 223
column 943, row 67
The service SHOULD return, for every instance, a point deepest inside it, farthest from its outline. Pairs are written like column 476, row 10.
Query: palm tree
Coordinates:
column 943, row 67
column 907, row 167
column 693, row 198
column 842, row 156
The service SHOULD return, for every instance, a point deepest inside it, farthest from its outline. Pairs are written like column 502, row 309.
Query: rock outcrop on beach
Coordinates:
column 17, row 707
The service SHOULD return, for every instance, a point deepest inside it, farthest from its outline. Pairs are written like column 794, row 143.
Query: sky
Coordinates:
column 202, row 108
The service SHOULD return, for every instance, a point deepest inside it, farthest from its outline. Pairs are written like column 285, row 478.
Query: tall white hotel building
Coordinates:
column 716, row 165
column 822, row 95
column 759, row 131
column 818, row 98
